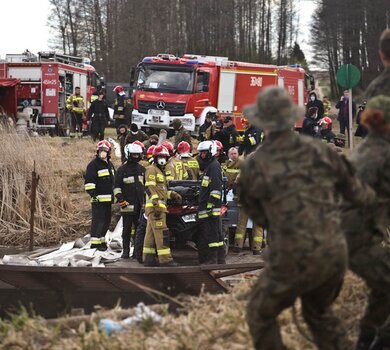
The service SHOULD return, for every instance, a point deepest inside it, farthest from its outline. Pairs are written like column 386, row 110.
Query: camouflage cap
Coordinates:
column 273, row 110
column 341, row 136
column 176, row 122
column 382, row 103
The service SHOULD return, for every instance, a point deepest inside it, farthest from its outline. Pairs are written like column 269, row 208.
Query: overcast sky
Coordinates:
column 23, row 26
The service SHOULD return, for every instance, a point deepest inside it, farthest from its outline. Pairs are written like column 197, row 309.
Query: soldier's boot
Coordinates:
column 379, row 344
column 150, row 260
column 365, row 340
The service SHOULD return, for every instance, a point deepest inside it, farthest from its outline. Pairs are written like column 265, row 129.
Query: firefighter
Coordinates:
column 99, row 183
column 242, row 222
column 75, row 106
column 99, row 115
column 120, row 107
column 129, row 192
column 210, row 242
column 190, row 163
column 253, row 136
column 175, row 169
column 221, row 155
column 231, row 167
column 156, row 243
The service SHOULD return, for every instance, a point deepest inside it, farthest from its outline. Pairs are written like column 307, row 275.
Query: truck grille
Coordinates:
column 175, row 109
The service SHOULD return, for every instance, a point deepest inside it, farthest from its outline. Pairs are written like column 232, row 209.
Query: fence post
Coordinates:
column 34, row 185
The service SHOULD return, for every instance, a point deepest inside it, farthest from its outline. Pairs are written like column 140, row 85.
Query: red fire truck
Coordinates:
column 44, row 83
column 169, row 87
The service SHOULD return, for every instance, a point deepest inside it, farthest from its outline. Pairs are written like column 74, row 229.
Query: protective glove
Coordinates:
column 94, row 199
column 123, row 203
column 157, row 211
column 176, row 197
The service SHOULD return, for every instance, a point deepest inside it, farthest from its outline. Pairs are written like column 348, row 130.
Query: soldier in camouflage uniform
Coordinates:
column 290, row 186
column 381, row 85
column 181, row 133
column 365, row 230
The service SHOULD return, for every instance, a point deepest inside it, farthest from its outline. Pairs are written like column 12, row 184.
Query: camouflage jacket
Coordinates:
column 183, row 135
column 372, row 162
column 291, row 185
column 380, row 85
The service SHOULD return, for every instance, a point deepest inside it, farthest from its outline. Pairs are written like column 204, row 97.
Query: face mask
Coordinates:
column 312, row 98
column 134, row 132
column 346, row 98
column 102, row 154
column 161, row 161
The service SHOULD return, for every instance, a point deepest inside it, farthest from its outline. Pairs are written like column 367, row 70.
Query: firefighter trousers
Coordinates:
column 210, row 241
column 239, row 237
column 101, row 218
column 76, row 122
column 157, row 240
column 130, row 223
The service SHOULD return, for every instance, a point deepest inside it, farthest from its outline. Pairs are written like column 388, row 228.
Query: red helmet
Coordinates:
column 183, row 147
column 139, row 143
column 103, row 145
column 168, row 145
column 150, row 151
column 160, row 151
column 219, row 145
column 327, row 121
column 118, row 89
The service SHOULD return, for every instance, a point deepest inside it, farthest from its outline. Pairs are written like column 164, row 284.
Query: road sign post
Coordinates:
column 348, row 76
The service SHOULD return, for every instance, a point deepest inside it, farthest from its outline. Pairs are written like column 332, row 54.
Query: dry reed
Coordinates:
column 207, row 322
column 58, row 164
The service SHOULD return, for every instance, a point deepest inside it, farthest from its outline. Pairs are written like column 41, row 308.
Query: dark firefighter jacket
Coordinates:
column 99, row 180
column 129, row 186
column 98, row 111
column 253, row 136
column 210, row 194
column 120, row 107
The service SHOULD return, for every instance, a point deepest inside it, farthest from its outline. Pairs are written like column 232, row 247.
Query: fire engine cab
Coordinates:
column 44, row 83
column 169, row 87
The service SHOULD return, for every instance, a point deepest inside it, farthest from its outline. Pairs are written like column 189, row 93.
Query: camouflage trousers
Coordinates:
column 156, row 240
column 372, row 264
column 273, row 294
column 239, row 237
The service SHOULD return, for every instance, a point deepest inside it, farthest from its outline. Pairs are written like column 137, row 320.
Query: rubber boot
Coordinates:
column 221, row 256
column 169, row 264
column 256, row 252
column 236, row 250
column 211, row 259
column 126, row 247
column 150, row 260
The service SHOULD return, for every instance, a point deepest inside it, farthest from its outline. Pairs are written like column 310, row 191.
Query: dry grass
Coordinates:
column 60, row 166
column 206, row 322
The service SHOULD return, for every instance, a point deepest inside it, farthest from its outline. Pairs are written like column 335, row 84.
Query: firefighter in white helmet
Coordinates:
column 210, row 242
column 99, row 183
column 129, row 192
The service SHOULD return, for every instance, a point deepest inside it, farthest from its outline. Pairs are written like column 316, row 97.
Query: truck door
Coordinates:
column 202, row 88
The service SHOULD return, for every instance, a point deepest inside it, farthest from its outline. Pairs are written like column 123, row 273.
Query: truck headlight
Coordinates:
column 189, row 217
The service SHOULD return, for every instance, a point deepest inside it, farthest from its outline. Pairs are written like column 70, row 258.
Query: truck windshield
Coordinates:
column 166, row 79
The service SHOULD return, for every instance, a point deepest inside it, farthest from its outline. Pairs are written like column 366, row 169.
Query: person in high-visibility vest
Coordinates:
column 76, row 106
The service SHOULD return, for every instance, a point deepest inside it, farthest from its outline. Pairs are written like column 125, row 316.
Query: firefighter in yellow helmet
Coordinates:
column 156, row 243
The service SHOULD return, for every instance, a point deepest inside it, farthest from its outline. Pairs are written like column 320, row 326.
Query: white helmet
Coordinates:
column 132, row 148
column 210, row 146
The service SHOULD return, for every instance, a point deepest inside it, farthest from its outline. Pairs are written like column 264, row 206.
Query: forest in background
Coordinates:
column 117, row 34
